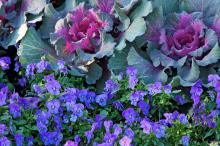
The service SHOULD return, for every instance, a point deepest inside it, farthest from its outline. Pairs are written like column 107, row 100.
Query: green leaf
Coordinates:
column 70, row 5
column 209, row 133
column 146, row 71
column 189, row 73
column 125, row 21
column 137, row 28
column 107, row 47
column 126, row 5
column 94, row 73
column 118, row 62
column 16, row 36
column 212, row 57
column 142, row 10
column 34, row 6
column 32, row 48
column 51, row 16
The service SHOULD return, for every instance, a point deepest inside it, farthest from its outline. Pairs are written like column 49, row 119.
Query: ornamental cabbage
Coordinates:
column 182, row 42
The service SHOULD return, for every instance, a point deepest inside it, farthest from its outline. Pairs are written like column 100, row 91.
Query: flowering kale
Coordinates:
column 79, row 36
column 182, row 41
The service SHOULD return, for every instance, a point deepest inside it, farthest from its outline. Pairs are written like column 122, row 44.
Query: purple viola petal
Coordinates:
column 146, row 125
column 5, row 62
column 125, row 141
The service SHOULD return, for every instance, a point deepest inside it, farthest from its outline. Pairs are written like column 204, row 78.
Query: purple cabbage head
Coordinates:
column 182, row 41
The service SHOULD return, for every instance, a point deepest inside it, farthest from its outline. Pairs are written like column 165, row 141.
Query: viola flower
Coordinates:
column 155, row 88
column 43, row 116
column 61, row 66
column 102, row 99
column 89, row 135
column 137, row 96
column 70, row 143
column 118, row 105
column 125, row 141
column 159, row 130
column 5, row 62
column 42, row 128
column 4, row 141
column 179, row 99
column 49, row 78
column 3, row 128
column 183, row 119
column 15, row 110
column 185, row 140
column 130, row 115
column 19, row 139
column 218, row 100
column 30, row 70
column 30, row 141
column 3, row 98
column 109, row 138
column 14, row 98
column 129, row 132
column 167, row 89
column 42, row 65
column 22, row 81
column 53, row 87
column 77, row 138
column 117, row 130
column 146, row 125
column 132, row 79
column 53, row 106
column 17, row 66
column 111, row 86
column 37, row 89
column 169, row 118
column 108, row 125
column 145, row 107
column 196, row 89
column 213, row 79
column 29, row 103
column 77, row 112
column 175, row 115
